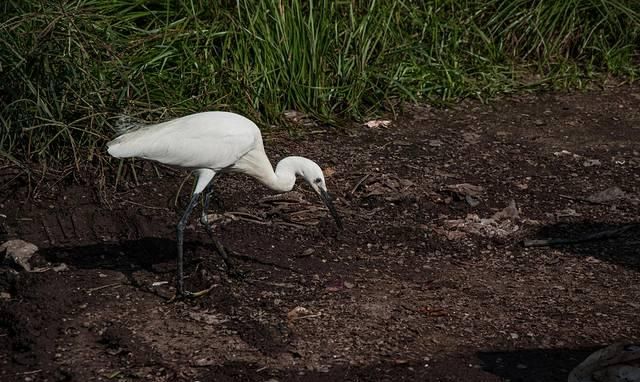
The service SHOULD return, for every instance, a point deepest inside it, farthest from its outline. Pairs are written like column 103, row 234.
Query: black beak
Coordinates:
column 326, row 198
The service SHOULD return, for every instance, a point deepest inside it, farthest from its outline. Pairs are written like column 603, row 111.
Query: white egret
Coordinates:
column 210, row 143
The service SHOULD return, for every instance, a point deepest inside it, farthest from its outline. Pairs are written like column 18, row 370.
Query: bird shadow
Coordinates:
column 615, row 243
column 534, row 365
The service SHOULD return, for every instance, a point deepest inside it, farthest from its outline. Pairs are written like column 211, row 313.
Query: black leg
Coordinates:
column 205, row 221
column 180, row 228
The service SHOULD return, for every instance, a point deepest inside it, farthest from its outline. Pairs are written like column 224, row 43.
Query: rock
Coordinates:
column 509, row 212
column 62, row 267
column 469, row 192
column 298, row 312
column 471, row 138
column 562, row 153
column 502, row 224
column 204, row 362
column 591, row 163
column 19, row 252
column 307, row 252
column 373, row 124
column 608, row 195
column 473, row 202
column 615, row 363
column 5, row 296
column 299, row 118
column 208, row 318
column 567, row 212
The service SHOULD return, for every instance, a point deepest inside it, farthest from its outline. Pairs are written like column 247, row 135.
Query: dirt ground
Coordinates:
column 425, row 282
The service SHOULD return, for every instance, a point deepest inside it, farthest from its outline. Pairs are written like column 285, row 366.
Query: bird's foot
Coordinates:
column 190, row 295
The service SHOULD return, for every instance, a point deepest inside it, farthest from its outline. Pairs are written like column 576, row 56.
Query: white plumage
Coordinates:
column 210, row 143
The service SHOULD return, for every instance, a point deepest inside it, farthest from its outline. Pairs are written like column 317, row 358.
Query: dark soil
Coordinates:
column 415, row 288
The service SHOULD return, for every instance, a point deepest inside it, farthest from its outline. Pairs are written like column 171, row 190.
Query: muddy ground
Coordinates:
column 425, row 282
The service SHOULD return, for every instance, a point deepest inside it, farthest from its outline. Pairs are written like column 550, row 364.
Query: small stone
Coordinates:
column 377, row 123
column 591, row 163
column 307, row 252
column 348, row 285
column 5, row 296
column 323, row 368
column 435, row 143
column 538, row 122
column 297, row 312
column 62, row 267
column 204, row 362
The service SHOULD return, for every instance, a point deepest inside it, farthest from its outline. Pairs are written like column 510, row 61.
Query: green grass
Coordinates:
column 70, row 68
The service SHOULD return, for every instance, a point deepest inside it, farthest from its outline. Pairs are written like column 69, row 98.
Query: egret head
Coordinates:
column 312, row 173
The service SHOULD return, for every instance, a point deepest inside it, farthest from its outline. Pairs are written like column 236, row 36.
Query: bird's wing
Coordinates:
column 206, row 140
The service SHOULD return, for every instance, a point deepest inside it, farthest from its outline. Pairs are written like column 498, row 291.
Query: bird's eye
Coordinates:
column 317, row 181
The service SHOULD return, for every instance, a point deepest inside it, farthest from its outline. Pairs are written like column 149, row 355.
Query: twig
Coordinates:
column 607, row 234
column 275, row 199
column 584, row 200
column 236, row 215
column 240, row 214
column 46, row 230
column 261, row 262
column 29, row 372
column 103, row 287
column 143, row 205
column 353, row 190
column 306, row 210
column 307, row 316
column 294, row 225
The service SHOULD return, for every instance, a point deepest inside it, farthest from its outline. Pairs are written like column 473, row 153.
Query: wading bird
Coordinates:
column 210, row 143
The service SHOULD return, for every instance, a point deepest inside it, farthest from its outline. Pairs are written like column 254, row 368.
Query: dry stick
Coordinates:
column 607, row 234
column 255, row 219
column 29, row 372
column 103, row 287
column 261, row 262
column 46, row 230
column 175, row 201
column 584, row 200
column 293, row 225
column 306, row 211
column 278, row 199
column 240, row 214
column 307, row 316
column 353, row 190
column 143, row 205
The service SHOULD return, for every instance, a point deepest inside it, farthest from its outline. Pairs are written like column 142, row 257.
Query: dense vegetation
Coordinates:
column 70, row 68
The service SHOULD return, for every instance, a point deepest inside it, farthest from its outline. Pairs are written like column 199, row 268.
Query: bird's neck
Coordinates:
column 283, row 178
